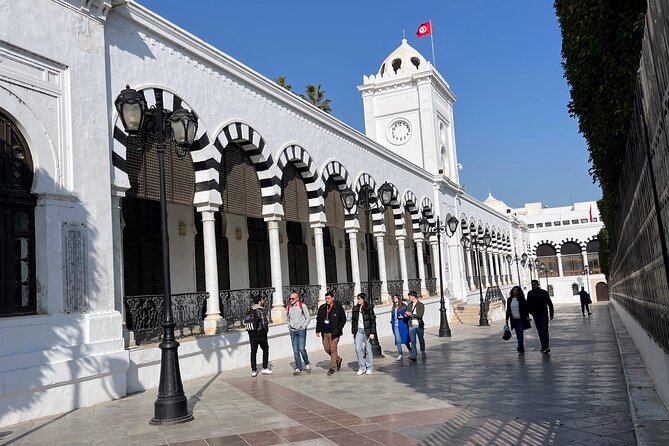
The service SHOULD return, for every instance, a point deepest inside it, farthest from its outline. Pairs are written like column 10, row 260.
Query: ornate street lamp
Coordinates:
column 449, row 229
column 586, row 271
column 477, row 244
column 171, row 406
column 522, row 260
column 364, row 199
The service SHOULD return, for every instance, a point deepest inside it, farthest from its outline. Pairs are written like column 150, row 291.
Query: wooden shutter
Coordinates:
column 408, row 226
column 298, row 255
column 259, row 258
column 143, row 171
column 294, row 198
column 238, row 183
column 334, row 208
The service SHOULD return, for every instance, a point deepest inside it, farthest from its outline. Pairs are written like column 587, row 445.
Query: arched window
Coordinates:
column 592, row 249
column 546, row 255
column 572, row 259
column 17, row 223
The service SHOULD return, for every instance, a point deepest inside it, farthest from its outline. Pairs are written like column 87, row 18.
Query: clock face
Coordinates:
column 399, row 132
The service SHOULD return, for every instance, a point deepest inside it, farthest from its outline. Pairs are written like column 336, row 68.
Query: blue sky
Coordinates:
column 501, row 58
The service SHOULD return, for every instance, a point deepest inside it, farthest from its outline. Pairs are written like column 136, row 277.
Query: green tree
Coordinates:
column 601, row 48
column 316, row 96
column 281, row 80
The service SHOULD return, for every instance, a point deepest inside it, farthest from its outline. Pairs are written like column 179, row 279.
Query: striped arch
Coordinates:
column 584, row 244
column 305, row 165
column 572, row 239
column 545, row 242
column 366, row 180
column 464, row 226
column 427, row 209
column 254, row 146
column 204, row 180
column 398, row 215
column 411, row 205
column 335, row 170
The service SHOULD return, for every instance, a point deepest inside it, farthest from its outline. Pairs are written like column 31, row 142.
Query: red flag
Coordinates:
column 591, row 212
column 425, row 29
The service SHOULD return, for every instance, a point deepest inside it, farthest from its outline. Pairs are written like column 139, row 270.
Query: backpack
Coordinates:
column 299, row 302
column 251, row 321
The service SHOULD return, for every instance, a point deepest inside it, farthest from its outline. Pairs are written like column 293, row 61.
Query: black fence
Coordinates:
column 639, row 274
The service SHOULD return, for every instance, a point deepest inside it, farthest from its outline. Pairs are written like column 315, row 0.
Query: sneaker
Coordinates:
column 330, row 372
column 589, row 314
column 584, row 314
column 266, row 372
column 360, row 372
column 423, row 355
column 297, row 372
column 546, row 351
column 399, row 358
column 368, row 372
column 339, row 364
column 520, row 350
column 412, row 357
column 307, row 367
column 254, row 373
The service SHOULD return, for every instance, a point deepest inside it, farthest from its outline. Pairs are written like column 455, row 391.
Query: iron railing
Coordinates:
column 414, row 285
column 144, row 315
column 493, row 294
column 343, row 293
column 308, row 295
column 236, row 303
column 395, row 287
column 376, row 291
column 431, row 285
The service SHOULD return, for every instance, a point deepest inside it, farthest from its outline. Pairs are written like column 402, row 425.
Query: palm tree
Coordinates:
column 281, row 80
column 316, row 96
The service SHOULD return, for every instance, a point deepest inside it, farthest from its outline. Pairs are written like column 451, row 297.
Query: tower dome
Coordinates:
column 405, row 57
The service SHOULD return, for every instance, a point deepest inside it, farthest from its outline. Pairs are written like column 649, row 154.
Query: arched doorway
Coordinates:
column 602, row 292
column 17, row 223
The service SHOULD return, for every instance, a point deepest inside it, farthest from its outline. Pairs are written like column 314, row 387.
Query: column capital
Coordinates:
column 209, row 207
column 317, row 224
column 272, row 218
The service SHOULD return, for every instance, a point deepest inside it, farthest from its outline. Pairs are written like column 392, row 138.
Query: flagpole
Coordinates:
column 434, row 60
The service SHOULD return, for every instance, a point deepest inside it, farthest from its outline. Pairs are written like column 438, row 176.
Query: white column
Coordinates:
column 421, row 265
column 355, row 262
column 278, row 310
column 119, row 286
column 437, row 267
column 484, row 269
column 381, row 251
column 468, row 259
column 403, row 264
column 213, row 323
column 559, row 262
column 320, row 260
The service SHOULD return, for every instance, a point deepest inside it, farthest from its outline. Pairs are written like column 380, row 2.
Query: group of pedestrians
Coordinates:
column 518, row 311
column 406, row 321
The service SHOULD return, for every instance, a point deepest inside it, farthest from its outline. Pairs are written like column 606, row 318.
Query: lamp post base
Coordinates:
column 444, row 329
column 171, row 410
column 376, row 347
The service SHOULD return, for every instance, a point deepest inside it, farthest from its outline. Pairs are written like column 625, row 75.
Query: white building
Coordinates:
column 255, row 204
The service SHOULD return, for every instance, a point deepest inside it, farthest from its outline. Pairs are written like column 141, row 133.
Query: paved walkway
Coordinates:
column 473, row 389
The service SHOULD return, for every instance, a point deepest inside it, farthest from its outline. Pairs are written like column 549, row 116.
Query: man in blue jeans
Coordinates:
column 298, row 321
column 415, row 313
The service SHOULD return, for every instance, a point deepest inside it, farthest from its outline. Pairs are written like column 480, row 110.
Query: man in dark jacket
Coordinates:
column 585, row 301
column 330, row 321
column 415, row 312
column 541, row 307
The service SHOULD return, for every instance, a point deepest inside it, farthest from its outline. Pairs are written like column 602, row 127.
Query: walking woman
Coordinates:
column 399, row 324
column 517, row 312
column 363, row 327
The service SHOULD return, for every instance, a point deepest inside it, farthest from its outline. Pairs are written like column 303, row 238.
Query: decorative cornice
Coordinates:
column 96, row 9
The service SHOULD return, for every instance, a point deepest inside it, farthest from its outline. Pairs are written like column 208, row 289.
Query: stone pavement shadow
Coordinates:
column 197, row 396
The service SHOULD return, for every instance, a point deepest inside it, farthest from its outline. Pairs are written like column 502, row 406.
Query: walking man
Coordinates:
column 298, row 321
column 330, row 321
column 585, row 301
column 541, row 307
column 415, row 314
column 257, row 325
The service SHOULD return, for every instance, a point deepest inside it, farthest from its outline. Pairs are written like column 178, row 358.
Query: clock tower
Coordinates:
column 408, row 109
